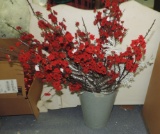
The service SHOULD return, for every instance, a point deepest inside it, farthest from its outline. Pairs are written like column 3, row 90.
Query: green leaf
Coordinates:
column 49, row 101
column 59, row 93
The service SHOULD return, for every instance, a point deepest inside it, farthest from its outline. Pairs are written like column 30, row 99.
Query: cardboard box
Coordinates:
column 18, row 103
column 151, row 108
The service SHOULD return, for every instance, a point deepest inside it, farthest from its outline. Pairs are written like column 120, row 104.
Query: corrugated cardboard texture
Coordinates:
column 34, row 95
column 13, row 103
column 12, row 71
column 15, row 106
column 151, row 109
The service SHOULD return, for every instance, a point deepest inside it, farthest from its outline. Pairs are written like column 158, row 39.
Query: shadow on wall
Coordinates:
column 157, row 5
column 82, row 4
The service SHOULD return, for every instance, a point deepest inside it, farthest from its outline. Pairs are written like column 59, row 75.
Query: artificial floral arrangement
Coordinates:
column 81, row 61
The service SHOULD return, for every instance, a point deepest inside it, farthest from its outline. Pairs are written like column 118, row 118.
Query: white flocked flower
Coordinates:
column 127, row 81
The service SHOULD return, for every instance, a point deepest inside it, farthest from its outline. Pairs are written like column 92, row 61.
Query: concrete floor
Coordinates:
column 70, row 121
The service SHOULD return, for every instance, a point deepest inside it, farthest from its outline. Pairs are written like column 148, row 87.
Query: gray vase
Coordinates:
column 96, row 108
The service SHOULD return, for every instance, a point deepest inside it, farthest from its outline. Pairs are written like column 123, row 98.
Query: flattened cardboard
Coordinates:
column 151, row 108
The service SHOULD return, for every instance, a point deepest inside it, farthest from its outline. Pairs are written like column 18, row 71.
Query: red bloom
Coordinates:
column 57, row 85
column 81, row 46
column 39, row 74
column 68, row 70
column 76, row 87
column 48, row 7
column 26, row 66
column 54, row 12
column 18, row 44
column 57, row 76
column 12, row 48
column 77, row 24
column 92, row 37
column 49, row 78
column 42, row 24
column 53, row 18
column 62, row 55
column 18, row 28
column 47, row 94
column 26, row 37
column 56, row 70
column 51, row 57
column 68, row 37
column 38, row 14
column 48, row 67
column 62, row 25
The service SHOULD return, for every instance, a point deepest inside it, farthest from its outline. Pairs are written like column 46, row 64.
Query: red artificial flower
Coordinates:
column 39, row 74
column 48, row 67
column 18, row 44
column 56, row 70
column 68, row 70
column 19, row 28
column 47, row 94
column 12, row 48
column 77, row 24
column 91, row 37
column 62, row 25
column 57, row 85
column 51, row 57
column 54, row 12
column 37, row 59
column 57, row 76
column 48, row 7
column 26, row 37
column 62, row 55
column 76, row 87
column 86, row 69
column 42, row 24
column 26, row 66
column 64, row 63
column 68, row 37
column 38, row 14
column 53, row 18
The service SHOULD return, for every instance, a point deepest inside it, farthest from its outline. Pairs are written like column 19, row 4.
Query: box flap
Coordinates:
column 13, row 71
column 34, row 95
